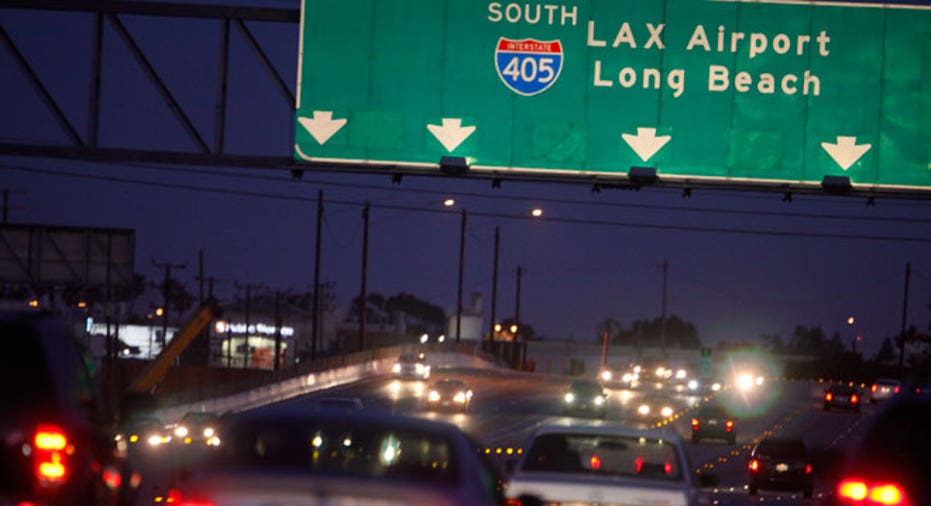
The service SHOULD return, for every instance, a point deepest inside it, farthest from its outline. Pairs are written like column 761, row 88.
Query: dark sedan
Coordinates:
column 713, row 422
column 780, row 464
column 842, row 396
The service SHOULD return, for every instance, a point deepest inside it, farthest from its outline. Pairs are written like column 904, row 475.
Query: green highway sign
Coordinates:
column 720, row 91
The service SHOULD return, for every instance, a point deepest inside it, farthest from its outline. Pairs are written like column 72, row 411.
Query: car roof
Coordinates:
column 289, row 412
column 594, row 428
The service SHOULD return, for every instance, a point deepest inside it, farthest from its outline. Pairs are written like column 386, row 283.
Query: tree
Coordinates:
column 679, row 333
column 773, row 343
column 886, row 352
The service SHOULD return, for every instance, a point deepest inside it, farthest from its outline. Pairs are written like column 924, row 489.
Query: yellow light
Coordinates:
column 449, row 202
column 497, row 327
column 513, row 329
column 82, row 304
column 33, row 303
column 886, row 494
column 133, row 438
column 537, row 212
column 850, row 320
column 159, row 311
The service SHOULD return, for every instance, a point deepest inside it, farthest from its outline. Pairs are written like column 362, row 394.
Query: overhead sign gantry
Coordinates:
column 782, row 92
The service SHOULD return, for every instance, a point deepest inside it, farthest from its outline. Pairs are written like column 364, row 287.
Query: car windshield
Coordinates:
column 585, row 387
column 712, row 412
column 604, row 455
column 782, row 450
column 339, row 448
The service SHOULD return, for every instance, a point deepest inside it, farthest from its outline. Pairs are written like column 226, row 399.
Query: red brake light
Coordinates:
column 176, row 497
column 852, row 488
column 807, row 468
column 594, row 462
column 667, row 468
column 638, row 462
column 887, row 493
column 754, row 465
column 857, row 490
column 896, row 390
column 51, row 444
column 828, row 396
column 854, row 399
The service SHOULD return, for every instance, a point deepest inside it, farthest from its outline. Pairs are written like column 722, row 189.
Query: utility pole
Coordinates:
column 365, row 270
column 462, row 239
column 520, row 272
column 494, row 284
column 662, row 331
column 276, row 364
column 314, row 333
column 908, row 275
column 167, row 266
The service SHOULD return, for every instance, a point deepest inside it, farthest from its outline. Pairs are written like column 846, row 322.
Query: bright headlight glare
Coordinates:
column 396, row 368
column 460, row 397
column 637, row 369
column 759, row 380
column 693, row 385
column 716, row 386
column 155, row 440
column 433, row 396
column 745, row 382
column 606, row 375
column 666, row 412
column 660, row 371
column 644, row 409
column 680, row 374
column 570, row 397
column 209, row 432
column 627, row 377
column 599, row 400
column 181, row 431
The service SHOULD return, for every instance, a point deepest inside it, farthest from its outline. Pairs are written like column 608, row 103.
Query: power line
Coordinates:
column 500, row 216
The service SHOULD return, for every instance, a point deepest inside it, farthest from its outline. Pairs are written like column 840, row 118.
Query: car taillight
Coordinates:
column 512, row 502
column 51, row 444
column 594, row 462
column 807, row 468
column 896, row 390
column 828, row 396
column 177, row 498
column 754, row 465
column 729, row 425
column 854, row 399
column 857, row 491
column 874, row 388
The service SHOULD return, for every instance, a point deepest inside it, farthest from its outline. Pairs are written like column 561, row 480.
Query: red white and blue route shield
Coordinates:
column 528, row 66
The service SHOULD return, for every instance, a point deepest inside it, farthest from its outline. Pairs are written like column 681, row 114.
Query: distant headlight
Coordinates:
column 666, row 412
column 627, row 378
column 680, row 374
column 433, row 396
column 599, row 400
column 396, row 368
column 606, row 375
column 570, row 398
column 181, row 431
column 209, row 432
column 660, row 372
column 693, row 385
column 745, row 382
column 460, row 397
column 716, row 386
column 759, row 380
column 419, row 368
column 214, row 441
column 637, row 369
column 644, row 409
column 155, row 440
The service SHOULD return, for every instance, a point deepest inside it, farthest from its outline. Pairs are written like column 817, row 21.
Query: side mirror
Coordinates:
column 708, row 480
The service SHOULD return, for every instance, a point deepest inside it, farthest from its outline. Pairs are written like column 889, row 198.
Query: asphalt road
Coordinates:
column 508, row 406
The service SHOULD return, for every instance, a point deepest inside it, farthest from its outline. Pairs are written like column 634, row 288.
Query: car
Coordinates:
column 411, row 366
column 57, row 447
column 619, row 375
column 596, row 463
column 884, row 388
column 299, row 455
column 141, row 432
column 842, row 396
column 585, row 397
column 890, row 464
column 196, row 427
column 712, row 421
column 780, row 464
column 450, row 394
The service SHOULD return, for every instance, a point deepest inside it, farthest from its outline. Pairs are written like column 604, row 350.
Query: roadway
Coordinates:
column 507, row 406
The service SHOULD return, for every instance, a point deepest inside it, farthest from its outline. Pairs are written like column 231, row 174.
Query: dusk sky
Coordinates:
column 741, row 264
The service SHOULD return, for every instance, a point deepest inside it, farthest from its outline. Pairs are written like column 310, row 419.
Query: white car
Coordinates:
column 597, row 463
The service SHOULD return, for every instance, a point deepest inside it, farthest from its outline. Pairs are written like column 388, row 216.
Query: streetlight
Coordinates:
column 537, row 212
column 449, row 202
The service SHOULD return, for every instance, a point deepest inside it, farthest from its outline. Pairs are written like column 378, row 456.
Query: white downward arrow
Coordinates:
column 322, row 126
column 646, row 143
column 846, row 152
column 451, row 133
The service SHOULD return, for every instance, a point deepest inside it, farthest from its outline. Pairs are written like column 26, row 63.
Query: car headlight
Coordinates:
column 214, row 441
column 606, row 375
column 637, row 369
column 660, row 372
column 419, row 368
column 155, row 440
column 759, row 380
column 716, row 386
column 181, row 431
column 627, row 378
column 433, row 396
column 745, row 382
column 570, row 398
column 599, row 400
column 396, row 368
column 680, row 374
column 460, row 397
column 209, row 432
column 666, row 412
column 644, row 409
column 693, row 384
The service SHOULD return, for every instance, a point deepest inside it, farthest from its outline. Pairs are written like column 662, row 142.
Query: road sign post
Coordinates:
column 782, row 92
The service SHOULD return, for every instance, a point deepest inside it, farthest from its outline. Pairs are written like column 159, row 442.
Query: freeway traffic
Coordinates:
column 506, row 407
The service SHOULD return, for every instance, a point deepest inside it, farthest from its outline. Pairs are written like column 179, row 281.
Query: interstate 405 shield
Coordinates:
column 528, row 66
